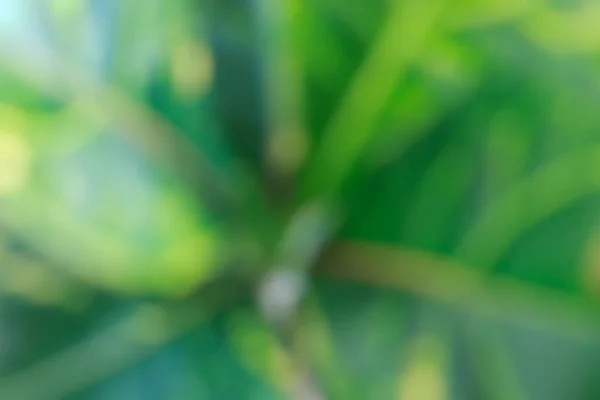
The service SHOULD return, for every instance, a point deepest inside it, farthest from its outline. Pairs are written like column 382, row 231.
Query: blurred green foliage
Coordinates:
column 305, row 199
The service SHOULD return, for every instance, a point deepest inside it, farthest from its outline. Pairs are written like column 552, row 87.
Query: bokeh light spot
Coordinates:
column 15, row 162
column 288, row 149
column 188, row 264
column 192, row 70
column 424, row 377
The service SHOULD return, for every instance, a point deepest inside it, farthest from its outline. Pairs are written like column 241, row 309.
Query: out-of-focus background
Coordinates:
column 300, row 199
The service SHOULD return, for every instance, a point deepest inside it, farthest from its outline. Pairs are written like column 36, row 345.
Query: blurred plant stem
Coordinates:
column 444, row 280
column 493, row 366
column 402, row 37
column 107, row 104
column 549, row 189
column 315, row 348
column 286, row 142
column 127, row 341
column 37, row 283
